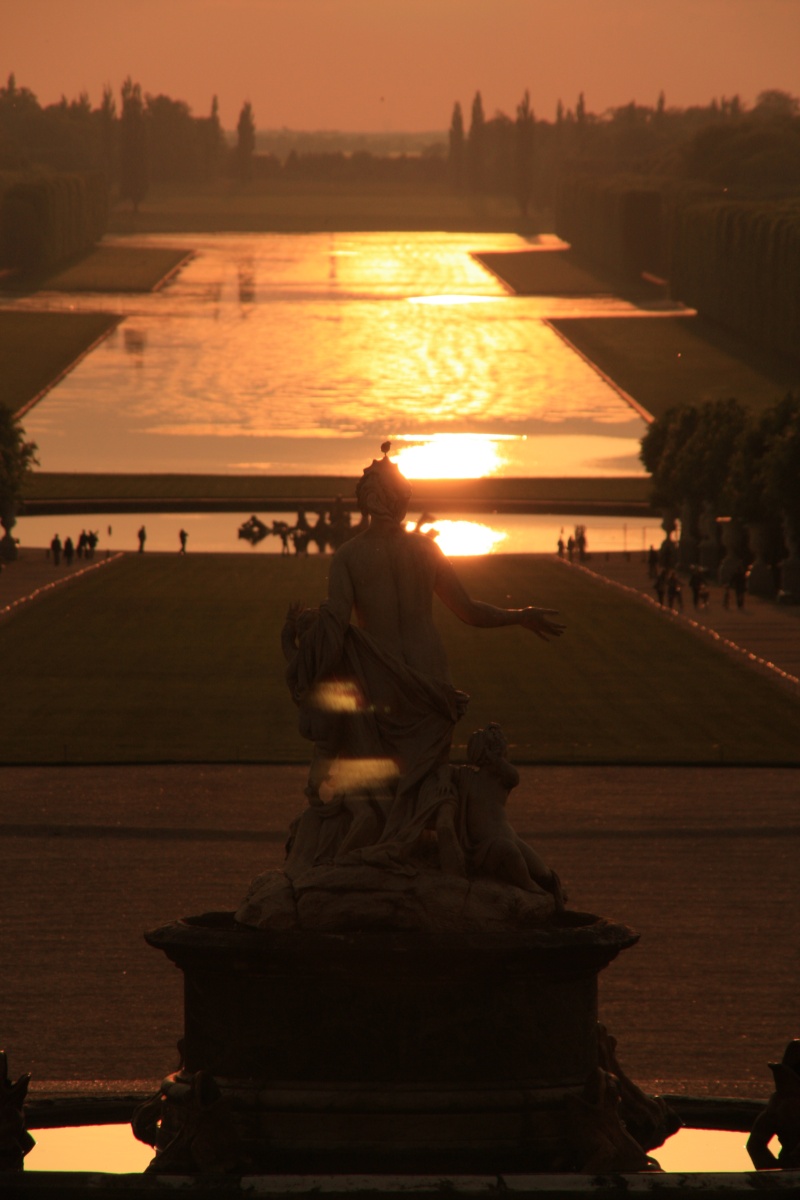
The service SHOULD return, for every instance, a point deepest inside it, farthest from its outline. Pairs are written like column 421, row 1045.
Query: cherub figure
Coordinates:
column 781, row 1117
column 492, row 846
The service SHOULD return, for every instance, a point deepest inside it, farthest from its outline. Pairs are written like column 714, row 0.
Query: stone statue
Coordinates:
column 15, row 1141
column 492, row 846
column 781, row 1117
column 377, row 700
column 408, row 993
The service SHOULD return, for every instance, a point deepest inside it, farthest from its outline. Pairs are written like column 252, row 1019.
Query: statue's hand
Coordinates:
column 538, row 621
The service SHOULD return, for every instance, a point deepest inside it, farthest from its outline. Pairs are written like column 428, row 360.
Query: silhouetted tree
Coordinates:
column 774, row 103
column 108, row 132
column 174, row 139
column 245, row 142
column 213, row 140
column 780, row 465
column 524, row 140
column 133, row 165
column 17, row 458
column 476, row 147
column 455, row 159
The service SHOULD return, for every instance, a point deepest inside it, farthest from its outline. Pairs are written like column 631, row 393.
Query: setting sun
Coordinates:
column 451, row 456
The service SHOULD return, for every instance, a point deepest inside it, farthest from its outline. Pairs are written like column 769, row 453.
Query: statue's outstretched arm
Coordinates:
column 452, row 592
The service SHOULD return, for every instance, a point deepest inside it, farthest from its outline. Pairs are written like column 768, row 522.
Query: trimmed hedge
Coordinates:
column 739, row 264
column 616, row 222
column 48, row 220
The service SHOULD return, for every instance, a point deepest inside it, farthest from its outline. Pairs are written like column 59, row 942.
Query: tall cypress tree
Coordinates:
column 476, row 146
column 456, row 151
column 524, row 138
column 245, row 142
column 133, row 159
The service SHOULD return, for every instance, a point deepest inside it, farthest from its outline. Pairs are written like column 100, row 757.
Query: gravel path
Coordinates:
column 701, row 861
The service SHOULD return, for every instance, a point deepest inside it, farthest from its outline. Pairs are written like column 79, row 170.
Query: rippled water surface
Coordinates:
column 300, row 353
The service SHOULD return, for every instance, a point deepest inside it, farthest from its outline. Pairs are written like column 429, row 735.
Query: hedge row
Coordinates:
column 48, row 220
column 616, row 222
column 739, row 263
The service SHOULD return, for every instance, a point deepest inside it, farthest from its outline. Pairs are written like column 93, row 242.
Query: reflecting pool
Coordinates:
column 457, row 534
column 295, row 354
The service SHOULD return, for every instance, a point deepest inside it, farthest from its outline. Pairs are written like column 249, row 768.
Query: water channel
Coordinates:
column 299, row 354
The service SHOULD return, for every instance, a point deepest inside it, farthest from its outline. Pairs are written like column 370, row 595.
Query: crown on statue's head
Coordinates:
column 382, row 490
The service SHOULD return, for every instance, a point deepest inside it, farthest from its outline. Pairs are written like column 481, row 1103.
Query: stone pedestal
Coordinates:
column 394, row 1051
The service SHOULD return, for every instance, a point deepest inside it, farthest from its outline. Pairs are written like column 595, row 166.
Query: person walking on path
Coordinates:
column 739, row 585
column 696, row 585
column 142, row 536
column 183, row 535
column 660, row 585
column 674, row 592
column 69, row 551
column 55, row 549
column 652, row 563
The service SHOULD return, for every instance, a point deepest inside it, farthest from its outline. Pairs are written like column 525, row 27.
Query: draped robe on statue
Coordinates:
column 400, row 727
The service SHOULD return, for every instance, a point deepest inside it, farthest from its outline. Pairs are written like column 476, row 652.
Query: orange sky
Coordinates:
column 400, row 64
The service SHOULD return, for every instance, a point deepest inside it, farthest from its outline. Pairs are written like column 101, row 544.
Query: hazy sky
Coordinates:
column 400, row 64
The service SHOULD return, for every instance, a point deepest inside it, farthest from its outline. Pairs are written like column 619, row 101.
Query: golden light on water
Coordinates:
column 457, row 538
column 452, row 300
column 452, row 455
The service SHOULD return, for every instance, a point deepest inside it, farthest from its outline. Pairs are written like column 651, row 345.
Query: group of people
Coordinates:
column 576, row 544
column 69, row 550
column 668, row 587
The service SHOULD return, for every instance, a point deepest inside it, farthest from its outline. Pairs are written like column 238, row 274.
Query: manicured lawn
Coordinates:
column 669, row 361
column 36, row 349
column 112, row 268
column 163, row 658
column 295, row 207
column 545, row 273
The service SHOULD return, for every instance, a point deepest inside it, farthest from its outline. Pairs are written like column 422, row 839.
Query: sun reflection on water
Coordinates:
column 459, row 538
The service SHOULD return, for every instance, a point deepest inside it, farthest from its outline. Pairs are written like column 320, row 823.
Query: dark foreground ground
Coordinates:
column 701, row 861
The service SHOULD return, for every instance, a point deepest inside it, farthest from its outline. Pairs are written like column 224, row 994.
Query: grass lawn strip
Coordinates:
column 116, row 268
column 39, row 348
column 544, row 273
column 668, row 361
column 280, row 207
column 262, row 490
column 166, row 658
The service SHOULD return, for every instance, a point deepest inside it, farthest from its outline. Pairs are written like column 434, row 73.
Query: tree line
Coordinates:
column 721, row 469
column 723, row 144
